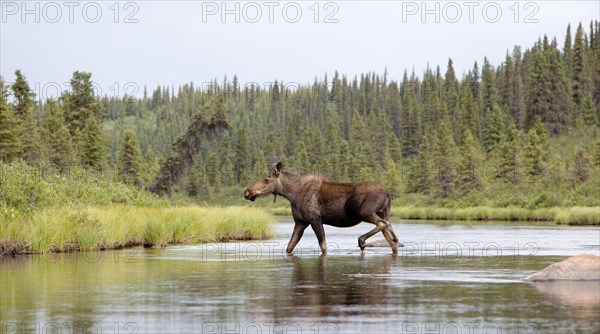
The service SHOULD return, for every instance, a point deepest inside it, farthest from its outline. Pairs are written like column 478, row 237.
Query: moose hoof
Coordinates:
column 361, row 244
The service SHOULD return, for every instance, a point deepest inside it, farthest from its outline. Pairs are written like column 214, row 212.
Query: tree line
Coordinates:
column 436, row 134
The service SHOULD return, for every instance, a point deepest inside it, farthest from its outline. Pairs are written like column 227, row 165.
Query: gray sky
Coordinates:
column 129, row 45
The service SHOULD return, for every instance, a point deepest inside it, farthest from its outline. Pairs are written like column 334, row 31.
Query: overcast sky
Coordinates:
column 129, row 45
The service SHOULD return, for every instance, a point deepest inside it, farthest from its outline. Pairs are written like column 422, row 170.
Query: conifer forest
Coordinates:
column 521, row 133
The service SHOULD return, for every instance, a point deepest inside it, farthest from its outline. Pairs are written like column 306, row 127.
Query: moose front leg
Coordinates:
column 296, row 236
column 320, row 232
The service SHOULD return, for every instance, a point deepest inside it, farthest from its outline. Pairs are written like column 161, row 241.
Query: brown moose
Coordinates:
column 318, row 200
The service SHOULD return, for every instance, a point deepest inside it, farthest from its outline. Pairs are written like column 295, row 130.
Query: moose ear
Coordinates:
column 277, row 167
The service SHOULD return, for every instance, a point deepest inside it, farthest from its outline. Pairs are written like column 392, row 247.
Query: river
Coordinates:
column 451, row 277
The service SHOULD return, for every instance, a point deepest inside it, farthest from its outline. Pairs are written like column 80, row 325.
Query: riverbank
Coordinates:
column 101, row 228
column 44, row 210
column 572, row 216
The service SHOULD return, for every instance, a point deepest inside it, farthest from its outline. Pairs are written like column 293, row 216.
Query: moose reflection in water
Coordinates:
column 318, row 200
column 318, row 285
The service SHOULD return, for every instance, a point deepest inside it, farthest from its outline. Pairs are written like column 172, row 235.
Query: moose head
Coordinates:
column 267, row 186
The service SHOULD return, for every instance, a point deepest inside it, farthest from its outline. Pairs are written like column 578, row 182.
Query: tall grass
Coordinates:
column 280, row 211
column 573, row 215
column 69, row 229
column 577, row 215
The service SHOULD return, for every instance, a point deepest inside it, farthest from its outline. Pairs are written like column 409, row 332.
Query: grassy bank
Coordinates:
column 572, row 216
column 43, row 210
column 93, row 228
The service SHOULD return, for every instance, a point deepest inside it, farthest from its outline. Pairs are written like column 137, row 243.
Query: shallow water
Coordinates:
column 449, row 278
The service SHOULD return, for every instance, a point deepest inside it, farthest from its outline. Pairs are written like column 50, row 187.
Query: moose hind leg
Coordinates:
column 380, row 225
column 391, row 238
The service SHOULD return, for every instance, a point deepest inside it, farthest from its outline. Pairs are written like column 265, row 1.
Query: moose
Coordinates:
column 316, row 200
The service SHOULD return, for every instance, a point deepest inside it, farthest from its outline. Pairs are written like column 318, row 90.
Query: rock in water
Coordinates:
column 381, row 243
column 583, row 267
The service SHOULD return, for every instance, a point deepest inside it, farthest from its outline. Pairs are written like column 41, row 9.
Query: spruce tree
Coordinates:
column 451, row 92
column 508, row 157
column 596, row 77
column 358, row 132
column 419, row 175
column 488, row 87
column 596, row 153
column 393, row 107
column 84, row 115
column 561, row 110
column 578, row 68
column 25, row 115
column 505, row 76
column 536, row 152
column 469, row 170
column 221, row 110
column 129, row 164
column 315, row 147
column 587, row 111
column 542, row 133
column 150, row 166
column 581, row 165
column 444, row 153
column 301, row 160
column 538, row 89
column 226, row 170
column 517, row 104
column 467, row 106
column 260, row 166
column 212, row 169
column 379, row 136
column 344, row 167
column 242, row 167
column 81, row 105
column 568, row 50
column 547, row 92
column 58, row 144
column 496, row 123
column 92, row 146
column 196, row 180
column 395, row 149
column 10, row 139
column 392, row 175
column 533, row 164
column 409, row 138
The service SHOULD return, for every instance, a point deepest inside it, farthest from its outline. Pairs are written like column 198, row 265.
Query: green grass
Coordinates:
column 280, row 211
column 42, row 210
column 573, row 215
column 91, row 228
column 578, row 216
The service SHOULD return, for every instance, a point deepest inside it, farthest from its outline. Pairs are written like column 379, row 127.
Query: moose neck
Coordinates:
column 287, row 186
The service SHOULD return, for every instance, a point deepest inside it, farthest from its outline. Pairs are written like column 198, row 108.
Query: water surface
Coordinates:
column 449, row 278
